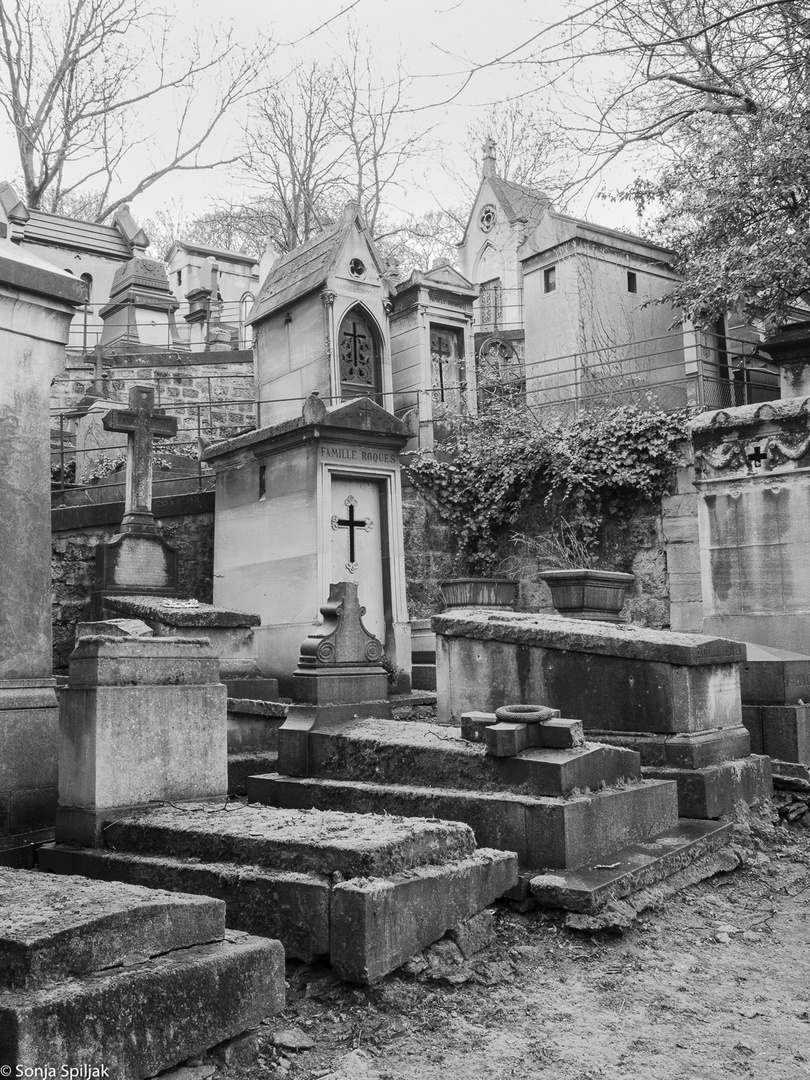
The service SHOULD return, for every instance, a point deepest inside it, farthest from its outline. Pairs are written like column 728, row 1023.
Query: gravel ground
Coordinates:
column 715, row 983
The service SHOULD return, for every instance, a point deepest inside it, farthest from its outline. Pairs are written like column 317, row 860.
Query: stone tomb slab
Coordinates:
column 387, row 751
column 612, row 677
column 59, row 927
column 674, row 698
column 289, row 870
column 133, row 979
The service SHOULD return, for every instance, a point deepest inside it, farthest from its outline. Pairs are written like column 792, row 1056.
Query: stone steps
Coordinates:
column 136, row 979
column 367, row 891
column 386, row 752
column 543, row 831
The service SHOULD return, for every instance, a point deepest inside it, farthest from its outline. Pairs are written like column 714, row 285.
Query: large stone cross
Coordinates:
column 143, row 423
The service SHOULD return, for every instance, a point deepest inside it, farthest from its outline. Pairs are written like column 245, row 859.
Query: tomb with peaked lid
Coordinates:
column 313, row 496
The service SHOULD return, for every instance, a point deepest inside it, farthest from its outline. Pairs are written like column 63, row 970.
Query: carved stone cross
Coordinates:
column 143, row 423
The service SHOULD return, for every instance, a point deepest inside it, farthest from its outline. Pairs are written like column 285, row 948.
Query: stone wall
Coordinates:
column 214, row 390
column 188, row 524
column 638, row 545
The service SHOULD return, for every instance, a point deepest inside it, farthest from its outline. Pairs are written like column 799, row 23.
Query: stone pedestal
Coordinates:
column 674, row 698
column 142, row 720
column 339, row 677
column 36, row 307
column 140, row 314
column 306, row 503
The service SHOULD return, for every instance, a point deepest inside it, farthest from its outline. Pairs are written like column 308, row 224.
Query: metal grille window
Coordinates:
column 491, row 303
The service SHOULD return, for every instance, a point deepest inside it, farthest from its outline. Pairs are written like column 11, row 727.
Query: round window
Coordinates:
column 488, row 217
column 357, row 268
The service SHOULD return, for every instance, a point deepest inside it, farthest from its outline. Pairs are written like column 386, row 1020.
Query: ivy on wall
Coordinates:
column 600, row 464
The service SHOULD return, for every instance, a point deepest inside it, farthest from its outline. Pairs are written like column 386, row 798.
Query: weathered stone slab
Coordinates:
column 689, row 750
column 99, row 661
column 714, row 792
column 638, row 866
column 300, row 842
column 140, row 1020
column 378, row 925
column 288, row 906
column 229, row 632
column 385, row 751
column 609, row 676
column 53, row 928
column 552, row 832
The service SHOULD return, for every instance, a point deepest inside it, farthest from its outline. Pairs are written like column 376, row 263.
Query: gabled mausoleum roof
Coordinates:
column 308, row 266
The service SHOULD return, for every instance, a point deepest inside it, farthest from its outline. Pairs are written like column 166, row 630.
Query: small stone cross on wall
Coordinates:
column 756, row 457
column 143, row 423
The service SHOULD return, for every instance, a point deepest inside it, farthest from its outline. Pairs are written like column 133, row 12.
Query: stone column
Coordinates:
column 36, row 308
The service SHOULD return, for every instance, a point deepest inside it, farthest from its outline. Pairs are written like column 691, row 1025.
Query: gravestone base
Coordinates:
column 230, row 634
column 133, row 564
column 131, row 979
column 29, row 733
column 130, row 712
column 366, row 892
column 717, row 791
column 714, row 770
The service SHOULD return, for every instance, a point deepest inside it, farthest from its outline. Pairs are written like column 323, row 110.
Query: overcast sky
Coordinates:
column 436, row 41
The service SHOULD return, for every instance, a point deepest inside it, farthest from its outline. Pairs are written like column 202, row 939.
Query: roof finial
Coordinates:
column 488, row 169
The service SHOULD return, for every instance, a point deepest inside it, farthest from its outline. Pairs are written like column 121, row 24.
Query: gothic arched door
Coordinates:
column 359, row 356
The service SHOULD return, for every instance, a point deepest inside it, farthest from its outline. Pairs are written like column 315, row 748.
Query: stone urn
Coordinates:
column 588, row 594
column 491, row 592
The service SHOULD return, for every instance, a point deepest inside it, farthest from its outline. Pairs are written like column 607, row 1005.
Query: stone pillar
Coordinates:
column 36, row 308
column 790, row 349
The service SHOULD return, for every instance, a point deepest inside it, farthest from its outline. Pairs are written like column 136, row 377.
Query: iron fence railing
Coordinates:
column 669, row 372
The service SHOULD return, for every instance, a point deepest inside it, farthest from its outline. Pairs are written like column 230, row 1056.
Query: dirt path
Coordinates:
column 713, row 985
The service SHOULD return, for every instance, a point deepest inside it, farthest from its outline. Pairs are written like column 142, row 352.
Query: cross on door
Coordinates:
column 351, row 523
column 143, row 423
column 757, row 457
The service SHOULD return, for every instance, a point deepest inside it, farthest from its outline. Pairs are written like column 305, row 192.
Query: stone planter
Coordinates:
column 588, row 594
column 479, row 592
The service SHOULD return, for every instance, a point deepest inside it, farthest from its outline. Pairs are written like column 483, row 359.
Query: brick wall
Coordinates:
column 212, row 390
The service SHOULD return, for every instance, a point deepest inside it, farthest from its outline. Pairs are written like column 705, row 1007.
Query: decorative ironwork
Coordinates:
column 491, row 302
column 356, row 352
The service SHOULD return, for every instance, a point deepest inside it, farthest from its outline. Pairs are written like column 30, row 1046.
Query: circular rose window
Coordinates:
column 357, row 268
column 488, row 217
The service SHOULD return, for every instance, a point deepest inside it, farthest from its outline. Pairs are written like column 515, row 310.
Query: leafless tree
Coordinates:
column 332, row 132
column 75, row 77
column 297, row 157
column 369, row 115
